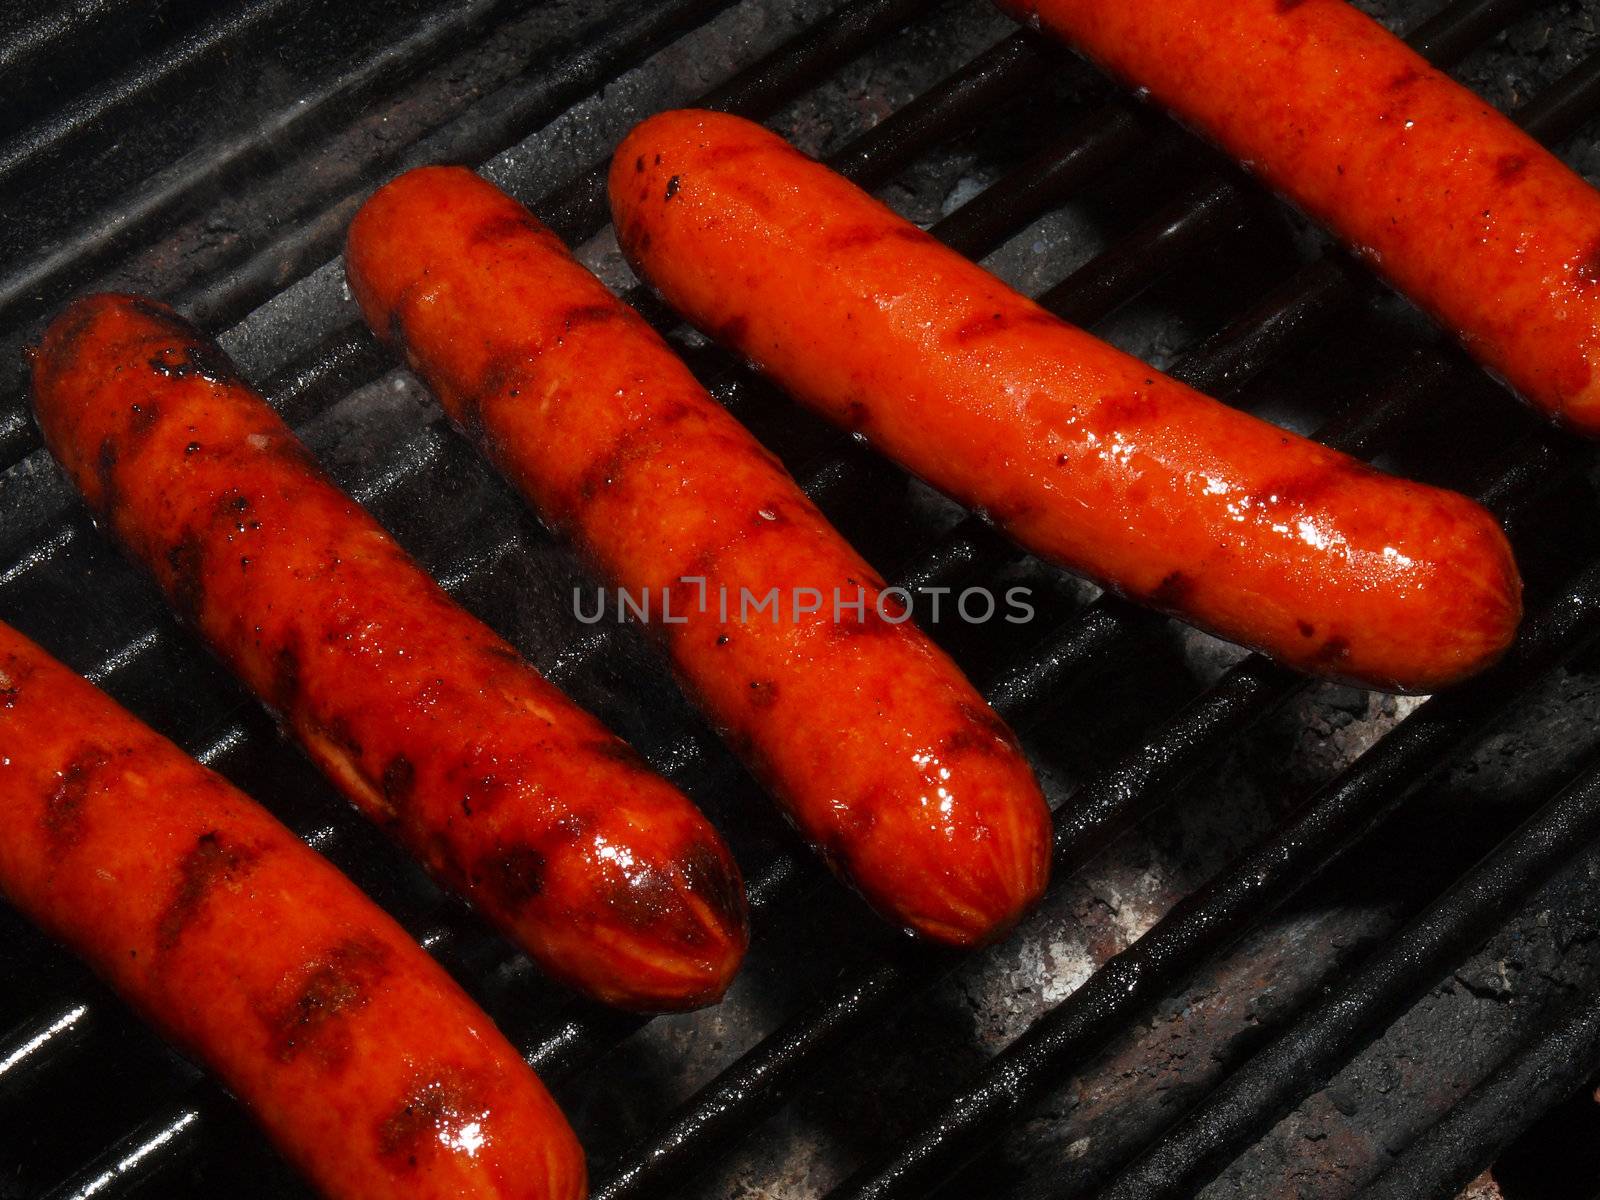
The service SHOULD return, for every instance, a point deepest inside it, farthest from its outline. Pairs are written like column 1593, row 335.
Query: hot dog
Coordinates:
column 877, row 747
column 429, row 722
column 1440, row 194
column 370, row 1069
column 1080, row 452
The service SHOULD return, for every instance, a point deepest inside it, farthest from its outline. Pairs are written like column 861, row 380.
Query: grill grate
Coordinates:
column 164, row 1129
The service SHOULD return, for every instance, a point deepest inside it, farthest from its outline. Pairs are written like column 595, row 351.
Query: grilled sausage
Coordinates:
column 370, row 1069
column 430, row 723
column 1082, row 453
column 1444, row 197
column 878, row 748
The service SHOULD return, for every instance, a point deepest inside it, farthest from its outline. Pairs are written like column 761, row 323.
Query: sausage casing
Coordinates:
column 1082, row 453
column 429, row 722
column 1443, row 196
column 370, row 1069
column 875, row 744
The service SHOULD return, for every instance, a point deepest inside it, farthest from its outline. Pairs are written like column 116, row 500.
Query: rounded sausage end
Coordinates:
column 959, row 862
column 642, row 927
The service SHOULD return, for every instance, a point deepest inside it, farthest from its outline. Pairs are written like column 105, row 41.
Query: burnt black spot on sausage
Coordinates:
column 1403, row 79
column 495, row 382
column 580, row 315
column 500, row 226
column 1173, row 591
column 1307, row 629
column 980, row 326
column 858, row 237
column 604, row 472
column 1119, row 412
column 618, row 751
column 866, row 624
column 714, row 880
column 64, row 806
column 854, row 822
column 307, row 1012
column 435, row 1109
column 213, row 862
column 482, row 793
column 186, row 576
column 763, row 693
column 1306, row 490
column 1289, row 5
column 200, row 359
column 856, row 415
column 990, row 323
column 1509, row 168
column 514, row 875
column 672, row 188
column 502, row 653
column 232, row 510
column 142, row 419
column 337, row 730
column 634, row 444
column 638, row 164
column 285, row 678
column 399, row 781
column 732, row 331
column 68, row 334
column 645, row 897
column 968, row 740
column 1333, row 650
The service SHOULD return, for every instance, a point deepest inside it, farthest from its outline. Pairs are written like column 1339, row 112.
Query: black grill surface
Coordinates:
column 1302, row 939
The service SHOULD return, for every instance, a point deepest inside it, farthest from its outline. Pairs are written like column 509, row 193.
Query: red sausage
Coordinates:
column 430, row 723
column 878, row 748
column 1444, row 197
column 370, row 1069
column 1084, row 454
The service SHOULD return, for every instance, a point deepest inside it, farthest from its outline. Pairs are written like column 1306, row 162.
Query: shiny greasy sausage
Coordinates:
column 430, row 723
column 1082, row 453
column 878, row 748
column 1443, row 196
column 370, row 1069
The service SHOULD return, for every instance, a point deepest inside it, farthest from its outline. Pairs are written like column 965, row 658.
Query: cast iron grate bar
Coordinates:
column 1211, row 918
column 1301, row 1060
column 347, row 356
column 230, row 163
column 1532, row 1080
column 772, row 81
column 22, row 151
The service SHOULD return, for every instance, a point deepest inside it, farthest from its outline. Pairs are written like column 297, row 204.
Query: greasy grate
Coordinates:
column 93, row 1105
